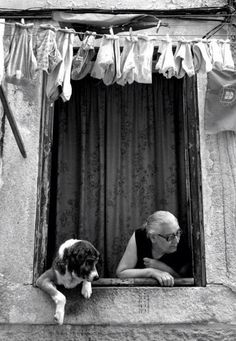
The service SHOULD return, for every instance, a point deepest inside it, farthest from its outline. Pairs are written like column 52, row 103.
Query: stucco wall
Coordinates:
column 132, row 312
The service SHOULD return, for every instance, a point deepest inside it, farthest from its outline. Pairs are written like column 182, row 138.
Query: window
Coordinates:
column 110, row 157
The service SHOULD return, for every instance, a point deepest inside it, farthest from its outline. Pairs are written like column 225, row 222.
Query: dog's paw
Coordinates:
column 60, row 301
column 86, row 289
column 59, row 315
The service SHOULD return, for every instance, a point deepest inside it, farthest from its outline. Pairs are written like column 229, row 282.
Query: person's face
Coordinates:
column 167, row 237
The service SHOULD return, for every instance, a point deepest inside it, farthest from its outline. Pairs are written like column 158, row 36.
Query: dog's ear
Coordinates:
column 75, row 257
column 59, row 264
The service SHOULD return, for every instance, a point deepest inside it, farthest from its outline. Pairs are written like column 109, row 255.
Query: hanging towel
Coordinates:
column 47, row 54
column 201, row 57
column 220, row 101
column 127, row 61
column 183, row 59
column 82, row 61
column 166, row 62
column 107, row 64
column 58, row 81
column 2, row 28
column 20, row 62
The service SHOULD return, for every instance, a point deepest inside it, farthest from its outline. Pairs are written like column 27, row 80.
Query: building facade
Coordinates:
column 203, row 312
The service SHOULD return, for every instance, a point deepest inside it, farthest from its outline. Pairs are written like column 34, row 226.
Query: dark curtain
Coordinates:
column 118, row 156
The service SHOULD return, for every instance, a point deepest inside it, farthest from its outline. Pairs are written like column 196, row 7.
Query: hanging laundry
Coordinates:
column 107, row 64
column 201, row 57
column 60, row 76
column 166, row 63
column 127, row 61
column 47, row 54
column 216, row 54
column 20, row 62
column 143, row 52
column 183, row 59
column 220, row 102
column 2, row 28
column 82, row 61
column 228, row 62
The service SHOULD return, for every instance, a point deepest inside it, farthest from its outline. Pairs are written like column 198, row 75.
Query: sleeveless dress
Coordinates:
column 175, row 260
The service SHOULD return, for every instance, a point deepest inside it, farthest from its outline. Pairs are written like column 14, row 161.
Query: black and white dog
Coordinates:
column 75, row 262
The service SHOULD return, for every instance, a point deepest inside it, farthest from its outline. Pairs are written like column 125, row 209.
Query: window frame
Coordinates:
column 193, row 188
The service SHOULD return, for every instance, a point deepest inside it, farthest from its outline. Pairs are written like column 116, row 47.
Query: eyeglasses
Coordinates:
column 172, row 236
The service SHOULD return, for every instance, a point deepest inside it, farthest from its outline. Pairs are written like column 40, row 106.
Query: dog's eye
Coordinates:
column 89, row 262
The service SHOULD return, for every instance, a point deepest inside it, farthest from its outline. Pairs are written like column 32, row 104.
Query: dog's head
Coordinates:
column 81, row 259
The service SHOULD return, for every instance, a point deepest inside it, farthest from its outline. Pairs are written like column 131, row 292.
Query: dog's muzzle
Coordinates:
column 93, row 276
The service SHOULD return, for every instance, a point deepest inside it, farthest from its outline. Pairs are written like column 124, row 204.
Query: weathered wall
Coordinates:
column 108, row 4
column 120, row 313
column 219, row 179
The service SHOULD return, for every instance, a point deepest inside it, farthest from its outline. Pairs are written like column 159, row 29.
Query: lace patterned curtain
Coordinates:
column 118, row 157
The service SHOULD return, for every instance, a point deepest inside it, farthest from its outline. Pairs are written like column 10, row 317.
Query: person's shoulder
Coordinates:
column 140, row 232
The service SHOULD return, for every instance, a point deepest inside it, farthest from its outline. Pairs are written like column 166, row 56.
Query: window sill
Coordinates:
column 139, row 282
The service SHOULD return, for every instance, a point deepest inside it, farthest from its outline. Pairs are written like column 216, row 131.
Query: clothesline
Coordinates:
column 123, row 34
column 53, row 53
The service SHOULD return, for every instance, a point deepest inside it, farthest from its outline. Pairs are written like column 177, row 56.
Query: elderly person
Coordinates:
column 152, row 250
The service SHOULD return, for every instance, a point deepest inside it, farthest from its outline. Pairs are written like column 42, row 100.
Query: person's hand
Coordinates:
column 156, row 264
column 164, row 278
column 150, row 263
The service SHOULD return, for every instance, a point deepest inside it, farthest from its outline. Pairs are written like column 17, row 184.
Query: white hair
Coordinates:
column 157, row 219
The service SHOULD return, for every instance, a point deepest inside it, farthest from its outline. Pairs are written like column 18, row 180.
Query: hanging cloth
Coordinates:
column 201, row 57
column 166, row 62
column 183, row 59
column 60, row 76
column 228, row 62
column 127, row 61
column 143, row 52
column 82, row 61
column 47, row 54
column 220, row 102
column 107, row 64
column 216, row 54
column 20, row 62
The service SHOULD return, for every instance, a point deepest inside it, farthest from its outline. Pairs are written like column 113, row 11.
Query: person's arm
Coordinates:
column 156, row 264
column 126, row 267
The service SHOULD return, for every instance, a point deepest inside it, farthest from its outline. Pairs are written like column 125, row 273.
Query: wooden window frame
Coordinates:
column 193, row 184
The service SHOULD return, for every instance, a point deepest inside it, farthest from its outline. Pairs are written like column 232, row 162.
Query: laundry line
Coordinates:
column 125, row 33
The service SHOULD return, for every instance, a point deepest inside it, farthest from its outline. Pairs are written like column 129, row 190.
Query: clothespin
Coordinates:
column 111, row 31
